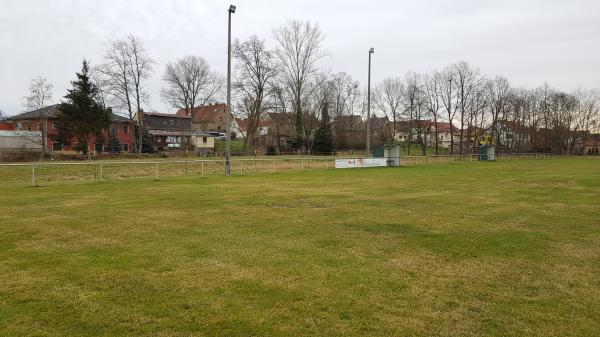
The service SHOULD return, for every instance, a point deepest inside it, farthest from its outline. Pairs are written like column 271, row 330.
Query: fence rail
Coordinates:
column 42, row 172
column 45, row 172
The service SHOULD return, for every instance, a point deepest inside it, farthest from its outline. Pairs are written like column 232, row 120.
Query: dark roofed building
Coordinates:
column 43, row 120
column 168, row 131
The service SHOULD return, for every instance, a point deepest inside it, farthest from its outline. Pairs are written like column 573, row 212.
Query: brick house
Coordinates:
column 6, row 125
column 209, row 118
column 44, row 119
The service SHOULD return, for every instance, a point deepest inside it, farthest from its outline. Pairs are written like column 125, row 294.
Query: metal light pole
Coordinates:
column 371, row 51
column 449, row 110
column 228, row 147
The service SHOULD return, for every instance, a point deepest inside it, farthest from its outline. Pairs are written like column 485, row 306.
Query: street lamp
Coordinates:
column 228, row 147
column 371, row 51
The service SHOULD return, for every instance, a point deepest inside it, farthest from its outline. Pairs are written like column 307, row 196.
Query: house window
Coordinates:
column 158, row 139
column 126, row 129
column 171, row 122
column 57, row 146
column 52, row 125
column 164, row 123
column 204, row 140
column 98, row 147
column 125, row 147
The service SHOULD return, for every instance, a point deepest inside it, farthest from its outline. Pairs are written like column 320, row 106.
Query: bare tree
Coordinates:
column 126, row 66
column 299, row 50
column 318, row 95
column 255, row 72
column 191, row 83
column 40, row 94
column 411, row 102
column 389, row 97
column 343, row 98
column 468, row 81
column 587, row 110
column 498, row 92
column 432, row 94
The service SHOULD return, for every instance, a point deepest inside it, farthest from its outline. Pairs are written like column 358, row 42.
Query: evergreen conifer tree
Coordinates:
column 82, row 116
column 324, row 137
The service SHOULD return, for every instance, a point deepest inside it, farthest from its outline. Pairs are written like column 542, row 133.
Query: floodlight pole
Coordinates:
column 228, row 129
column 371, row 51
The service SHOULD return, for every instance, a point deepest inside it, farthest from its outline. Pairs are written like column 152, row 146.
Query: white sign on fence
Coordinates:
column 360, row 162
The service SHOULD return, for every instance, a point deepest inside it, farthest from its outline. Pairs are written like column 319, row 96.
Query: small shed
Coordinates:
column 389, row 151
column 203, row 142
column 486, row 152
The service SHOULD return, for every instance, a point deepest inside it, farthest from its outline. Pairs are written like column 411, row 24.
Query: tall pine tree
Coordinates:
column 82, row 116
column 324, row 137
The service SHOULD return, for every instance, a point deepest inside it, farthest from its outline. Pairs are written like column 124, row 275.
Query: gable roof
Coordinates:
column 207, row 113
column 284, row 118
column 46, row 112
column 52, row 111
column 243, row 123
column 160, row 114
column 445, row 127
column 349, row 122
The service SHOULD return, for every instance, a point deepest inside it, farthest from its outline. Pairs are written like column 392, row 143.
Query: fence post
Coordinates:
column 101, row 173
column 241, row 167
column 186, row 168
column 202, row 169
column 273, row 165
column 33, row 174
column 156, row 170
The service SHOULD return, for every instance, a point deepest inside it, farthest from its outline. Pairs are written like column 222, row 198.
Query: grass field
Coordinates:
column 468, row 249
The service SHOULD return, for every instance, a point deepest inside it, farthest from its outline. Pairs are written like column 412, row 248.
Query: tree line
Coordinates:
column 289, row 77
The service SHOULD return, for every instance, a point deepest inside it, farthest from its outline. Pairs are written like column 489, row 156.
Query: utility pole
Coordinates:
column 371, row 51
column 449, row 112
column 228, row 147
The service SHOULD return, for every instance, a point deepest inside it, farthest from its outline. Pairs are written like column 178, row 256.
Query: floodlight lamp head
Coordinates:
column 232, row 9
column 372, row 50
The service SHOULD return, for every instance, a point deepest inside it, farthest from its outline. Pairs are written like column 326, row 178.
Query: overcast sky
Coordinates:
column 528, row 41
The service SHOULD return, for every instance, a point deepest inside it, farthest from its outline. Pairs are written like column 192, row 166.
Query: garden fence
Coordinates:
column 38, row 173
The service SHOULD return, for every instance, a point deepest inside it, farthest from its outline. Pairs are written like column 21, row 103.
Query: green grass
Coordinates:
column 469, row 249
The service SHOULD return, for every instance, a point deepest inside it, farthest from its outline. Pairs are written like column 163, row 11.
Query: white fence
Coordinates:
column 46, row 172
column 109, row 170
column 443, row 159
